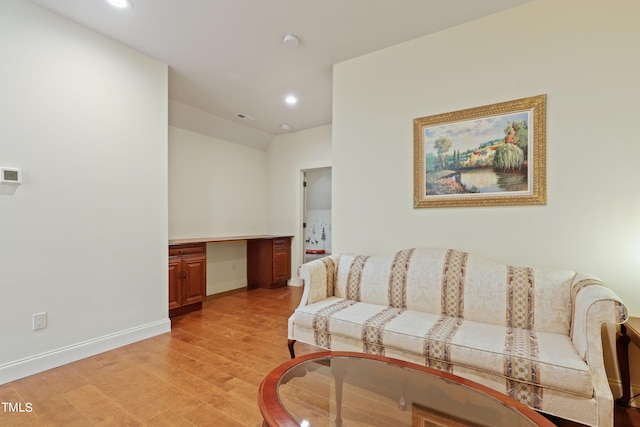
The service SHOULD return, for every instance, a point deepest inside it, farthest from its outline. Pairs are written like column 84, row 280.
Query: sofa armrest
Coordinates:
column 319, row 277
column 593, row 304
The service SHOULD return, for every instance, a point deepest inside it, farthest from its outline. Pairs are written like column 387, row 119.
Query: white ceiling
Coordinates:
column 226, row 57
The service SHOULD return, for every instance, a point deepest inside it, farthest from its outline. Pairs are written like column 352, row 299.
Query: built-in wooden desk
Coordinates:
column 629, row 332
column 225, row 239
column 268, row 266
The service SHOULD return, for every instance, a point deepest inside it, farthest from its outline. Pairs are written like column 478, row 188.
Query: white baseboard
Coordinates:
column 616, row 389
column 229, row 285
column 294, row 281
column 51, row 359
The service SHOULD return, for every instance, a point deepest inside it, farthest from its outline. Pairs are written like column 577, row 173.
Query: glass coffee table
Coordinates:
column 355, row 389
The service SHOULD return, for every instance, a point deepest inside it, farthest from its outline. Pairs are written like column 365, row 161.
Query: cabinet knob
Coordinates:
column 180, row 251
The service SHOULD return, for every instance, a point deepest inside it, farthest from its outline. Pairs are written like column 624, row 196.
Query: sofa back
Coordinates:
column 459, row 284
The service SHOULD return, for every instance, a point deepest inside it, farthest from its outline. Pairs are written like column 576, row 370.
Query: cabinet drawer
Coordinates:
column 186, row 250
column 281, row 243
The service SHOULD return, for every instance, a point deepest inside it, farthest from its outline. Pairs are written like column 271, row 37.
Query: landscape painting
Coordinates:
column 484, row 156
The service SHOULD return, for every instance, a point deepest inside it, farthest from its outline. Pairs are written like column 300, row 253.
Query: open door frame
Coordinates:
column 299, row 257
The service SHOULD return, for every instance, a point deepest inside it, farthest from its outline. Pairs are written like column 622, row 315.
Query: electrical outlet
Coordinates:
column 39, row 321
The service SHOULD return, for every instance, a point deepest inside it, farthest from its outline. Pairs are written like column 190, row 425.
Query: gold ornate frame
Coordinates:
column 535, row 161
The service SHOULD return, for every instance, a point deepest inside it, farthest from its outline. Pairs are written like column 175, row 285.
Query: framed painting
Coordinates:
column 493, row 155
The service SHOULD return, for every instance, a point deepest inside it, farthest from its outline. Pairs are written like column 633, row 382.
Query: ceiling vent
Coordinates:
column 244, row 117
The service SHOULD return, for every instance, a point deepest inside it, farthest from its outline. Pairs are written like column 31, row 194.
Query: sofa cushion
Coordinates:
column 524, row 358
column 459, row 284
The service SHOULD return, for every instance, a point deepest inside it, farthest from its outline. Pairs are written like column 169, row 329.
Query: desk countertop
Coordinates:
column 223, row 239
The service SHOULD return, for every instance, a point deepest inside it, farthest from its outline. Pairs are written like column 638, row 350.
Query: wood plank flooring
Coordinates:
column 205, row 372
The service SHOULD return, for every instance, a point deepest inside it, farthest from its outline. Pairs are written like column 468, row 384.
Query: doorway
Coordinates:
column 316, row 217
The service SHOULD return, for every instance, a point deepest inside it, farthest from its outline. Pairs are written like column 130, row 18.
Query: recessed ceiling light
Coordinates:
column 285, row 127
column 120, row 4
column 291, row 100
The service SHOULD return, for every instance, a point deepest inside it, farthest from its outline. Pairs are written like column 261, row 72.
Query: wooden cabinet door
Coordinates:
column 175, row 285
column 281, row 260
column 187, row 278
column 195, row 279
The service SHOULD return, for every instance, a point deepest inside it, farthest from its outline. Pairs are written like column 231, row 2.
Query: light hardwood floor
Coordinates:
column 205, row 372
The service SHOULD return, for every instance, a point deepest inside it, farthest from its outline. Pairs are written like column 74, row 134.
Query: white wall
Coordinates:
column 226, row 266
column 288, row 155
column 578, row 52
column 84, row 237
column 217, row 188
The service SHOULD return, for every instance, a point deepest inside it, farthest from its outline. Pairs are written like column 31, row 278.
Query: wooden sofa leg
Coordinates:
column 290, row 344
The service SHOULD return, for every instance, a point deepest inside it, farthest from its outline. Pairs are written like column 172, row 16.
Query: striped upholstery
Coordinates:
column 509, row 327
column 457, row 284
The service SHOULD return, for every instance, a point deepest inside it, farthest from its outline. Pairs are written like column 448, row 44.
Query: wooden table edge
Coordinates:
column 274, row 415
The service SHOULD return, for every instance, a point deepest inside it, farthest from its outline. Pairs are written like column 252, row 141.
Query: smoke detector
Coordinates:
column 290, row 41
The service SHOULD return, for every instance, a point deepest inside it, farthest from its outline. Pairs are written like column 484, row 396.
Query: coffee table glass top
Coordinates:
column 351, row 389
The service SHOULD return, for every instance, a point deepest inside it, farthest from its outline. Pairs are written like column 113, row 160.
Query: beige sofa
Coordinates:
column 532, row 333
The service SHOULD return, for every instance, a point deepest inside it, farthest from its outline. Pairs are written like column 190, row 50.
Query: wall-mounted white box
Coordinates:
column 10, row 175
